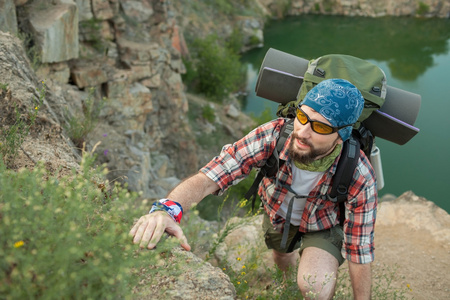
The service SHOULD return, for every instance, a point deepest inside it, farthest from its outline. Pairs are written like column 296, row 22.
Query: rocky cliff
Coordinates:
column 127, row 55
column 130, row 53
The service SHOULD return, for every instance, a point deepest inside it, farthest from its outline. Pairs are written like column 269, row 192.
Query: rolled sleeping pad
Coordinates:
column 281, row 76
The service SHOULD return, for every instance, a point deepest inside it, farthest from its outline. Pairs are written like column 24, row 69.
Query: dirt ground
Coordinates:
column 422, row 263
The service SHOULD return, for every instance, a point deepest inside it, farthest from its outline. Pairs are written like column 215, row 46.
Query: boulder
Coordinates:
column 8, row 19
column 200, row 281
column 55, row 32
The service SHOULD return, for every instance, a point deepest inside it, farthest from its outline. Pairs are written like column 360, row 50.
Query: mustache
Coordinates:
column 302, row 140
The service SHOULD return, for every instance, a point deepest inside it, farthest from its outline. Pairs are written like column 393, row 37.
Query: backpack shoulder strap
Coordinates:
column 273, row 163
column 344, row 174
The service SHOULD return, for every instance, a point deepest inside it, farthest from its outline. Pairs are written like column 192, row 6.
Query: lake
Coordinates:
column 415, row 56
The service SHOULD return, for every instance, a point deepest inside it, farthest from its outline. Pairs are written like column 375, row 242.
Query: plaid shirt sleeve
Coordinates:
column 361, row 209
column 237, row 160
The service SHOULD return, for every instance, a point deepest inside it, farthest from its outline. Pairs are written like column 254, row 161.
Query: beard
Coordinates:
column 311, row 155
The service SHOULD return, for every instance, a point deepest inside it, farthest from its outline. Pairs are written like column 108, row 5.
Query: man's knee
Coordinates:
column 317, row 273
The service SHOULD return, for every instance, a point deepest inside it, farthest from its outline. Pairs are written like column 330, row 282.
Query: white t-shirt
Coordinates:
column 302, row 183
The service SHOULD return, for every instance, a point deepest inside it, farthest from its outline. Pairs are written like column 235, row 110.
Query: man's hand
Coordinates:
column 149, row 229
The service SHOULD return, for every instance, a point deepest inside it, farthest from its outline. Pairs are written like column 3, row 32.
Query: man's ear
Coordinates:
column 339, row 140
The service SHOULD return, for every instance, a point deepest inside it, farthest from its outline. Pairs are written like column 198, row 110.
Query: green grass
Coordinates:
column 82, row 123
column 17, row 126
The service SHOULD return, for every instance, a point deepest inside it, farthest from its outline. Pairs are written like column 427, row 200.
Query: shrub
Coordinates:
column 67, row 238
column 215, row 70
column 208, row 113
column 82, row 123
column 423, row 8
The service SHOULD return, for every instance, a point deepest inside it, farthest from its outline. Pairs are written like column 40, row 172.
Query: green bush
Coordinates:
column 215, row 70
column 208, row 113
column 423, row 8
column 67, row 238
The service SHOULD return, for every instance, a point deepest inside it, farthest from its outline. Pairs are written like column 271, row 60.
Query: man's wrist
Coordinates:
column 172, row 208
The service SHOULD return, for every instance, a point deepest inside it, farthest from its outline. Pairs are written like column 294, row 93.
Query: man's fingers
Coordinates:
column 152, row 240
column 143, row 228
column 149, row 229
column 135, row 228
column 177, row 232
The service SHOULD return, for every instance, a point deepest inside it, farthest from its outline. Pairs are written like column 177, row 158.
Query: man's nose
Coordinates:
column 303, row 131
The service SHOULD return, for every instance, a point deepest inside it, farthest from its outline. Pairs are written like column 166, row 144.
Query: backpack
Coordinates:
column 370, row 81
column 388, row 113
column 286, row 79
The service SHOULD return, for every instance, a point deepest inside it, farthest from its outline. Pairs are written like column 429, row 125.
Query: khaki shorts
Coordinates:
column 329, row 240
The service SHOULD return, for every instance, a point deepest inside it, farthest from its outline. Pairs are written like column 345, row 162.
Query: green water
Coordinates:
column 414, row 54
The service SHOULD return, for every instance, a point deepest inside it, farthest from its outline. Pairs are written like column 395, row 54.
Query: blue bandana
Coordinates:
column 338, row 101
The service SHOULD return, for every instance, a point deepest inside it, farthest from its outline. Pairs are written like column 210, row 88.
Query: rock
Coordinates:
column 243, row 242
column 252, row 31
column 55, row 29
column 88, row 74
column 200, row 281
column 45, row 142
column 380, row 8
column 59, row 72
column 84, row 10
column 138, row 11
column 8, row 19
column 178, row 42
column 134, row 53
column 20, row 2
column 102, row 9
column 417, row 213
column 232, row 111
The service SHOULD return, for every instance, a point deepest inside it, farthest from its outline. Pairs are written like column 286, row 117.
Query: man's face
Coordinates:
column 307, row 145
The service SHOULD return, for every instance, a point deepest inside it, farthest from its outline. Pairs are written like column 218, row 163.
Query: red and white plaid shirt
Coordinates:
column 236, row 161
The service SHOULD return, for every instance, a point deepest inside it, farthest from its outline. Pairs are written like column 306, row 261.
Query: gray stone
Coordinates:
column 56, row 32
column 84, row 75
column 138, row 11
column 200, row 281
column 8, row 19
column 84, row 10
column 102, row 9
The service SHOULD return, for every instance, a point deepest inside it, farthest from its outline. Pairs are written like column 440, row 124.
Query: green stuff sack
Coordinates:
column 367, row 77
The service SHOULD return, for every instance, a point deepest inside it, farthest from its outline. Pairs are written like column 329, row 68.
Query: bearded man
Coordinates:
column 296, row 198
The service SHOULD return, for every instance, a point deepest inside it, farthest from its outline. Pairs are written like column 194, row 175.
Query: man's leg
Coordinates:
column 285, row 261
column 317, row 273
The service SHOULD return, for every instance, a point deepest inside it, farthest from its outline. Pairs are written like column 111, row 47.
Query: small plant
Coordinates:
column 91, row 30
column 311, row 282
column 32, row 51
column 317, row 7
column 383, row 288
column 423, row 8
column 3, row 86
column 81, row 124
column 235, row 41
column 208, row 113
column 16, row 127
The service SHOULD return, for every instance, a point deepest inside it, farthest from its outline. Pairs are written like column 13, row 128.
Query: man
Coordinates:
column 297, row 193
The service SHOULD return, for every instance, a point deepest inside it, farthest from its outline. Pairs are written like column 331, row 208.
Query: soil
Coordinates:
column 422, row 264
